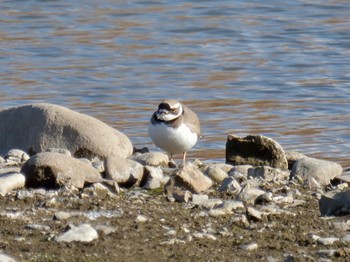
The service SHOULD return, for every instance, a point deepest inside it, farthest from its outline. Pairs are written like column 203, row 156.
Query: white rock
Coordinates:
column 198, row 199
column 232, row 204
column 81, row 233
column 327, row 240
column 11, row 181
column 6, row 258
column 216, row 173
column 216, row 212
column 141, row 219
column 16, row 155
column 250, row 246
column 346, row 238
column 230, row 185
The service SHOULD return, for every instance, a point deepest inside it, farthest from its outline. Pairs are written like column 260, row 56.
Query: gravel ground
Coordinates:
column 145, row 226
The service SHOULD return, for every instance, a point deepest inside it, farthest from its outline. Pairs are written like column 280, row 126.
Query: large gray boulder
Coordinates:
column 36, row 127
column 255, row 150
column 53, row 170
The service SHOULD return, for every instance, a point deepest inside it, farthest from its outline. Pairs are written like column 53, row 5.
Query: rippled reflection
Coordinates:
column 245, row 67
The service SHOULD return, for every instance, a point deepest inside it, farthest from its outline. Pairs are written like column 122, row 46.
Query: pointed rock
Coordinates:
column 255, row 150
column 190, row 177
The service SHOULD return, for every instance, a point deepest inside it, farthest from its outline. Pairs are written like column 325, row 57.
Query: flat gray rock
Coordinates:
column 36, row 127
column 81, row 233
column 255, row 150
column 53, row 170
column 322, row 171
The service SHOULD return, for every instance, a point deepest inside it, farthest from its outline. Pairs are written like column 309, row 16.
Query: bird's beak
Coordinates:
column 161, row 114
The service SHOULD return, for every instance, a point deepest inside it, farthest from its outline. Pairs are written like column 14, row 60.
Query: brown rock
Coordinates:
column 191, row 178
column 255, row 150
column 53, row 170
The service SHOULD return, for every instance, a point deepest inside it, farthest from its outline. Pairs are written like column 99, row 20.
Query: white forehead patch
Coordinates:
column 177, row 105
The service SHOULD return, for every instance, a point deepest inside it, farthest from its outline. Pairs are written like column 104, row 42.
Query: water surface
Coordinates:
column 280, row 69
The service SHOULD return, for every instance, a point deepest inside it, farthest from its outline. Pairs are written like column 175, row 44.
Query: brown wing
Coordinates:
column 192, row 119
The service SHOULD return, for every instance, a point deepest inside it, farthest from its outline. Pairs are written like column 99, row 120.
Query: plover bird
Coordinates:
column 174, row 128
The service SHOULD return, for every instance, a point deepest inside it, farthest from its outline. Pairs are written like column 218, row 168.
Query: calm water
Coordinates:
column 277, row 68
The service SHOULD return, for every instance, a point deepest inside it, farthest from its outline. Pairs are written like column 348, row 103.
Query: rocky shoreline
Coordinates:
column 73, row 188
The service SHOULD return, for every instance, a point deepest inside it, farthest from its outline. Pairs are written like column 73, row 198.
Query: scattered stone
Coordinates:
column 249, row 195
column 125, row 172
column 141, row 219
column 181, row 195
column 154, row 178
column 293, row 156
column 59, row 150
column 81, row 233
column 327, row 241
column 256, row 150
column 198, row 199
column 191, row 178
column 240, row 170
column 264, row 198
column 230, row 185
column 219, row 212
column 62, row 215
column 37, row 127
column 204, row 235
column 232, row 205
column 210, row 203
column 152, row 159
column 17, row 156
column 38, row 227
column 53, row 170
column 6, row 258
column 338, row 205
column 106, row 230
column 250, row 247
column 216, row 174
column 322, row 171
column 254, row 214
column 10, row 181
column 269, row 174
column 24, row 194
column 241, row 221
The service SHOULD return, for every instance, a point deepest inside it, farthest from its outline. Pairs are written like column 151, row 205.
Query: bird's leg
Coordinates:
column 183, row 158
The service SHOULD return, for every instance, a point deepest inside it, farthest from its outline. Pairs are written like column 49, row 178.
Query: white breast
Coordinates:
column 172, row 140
